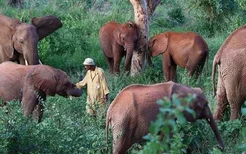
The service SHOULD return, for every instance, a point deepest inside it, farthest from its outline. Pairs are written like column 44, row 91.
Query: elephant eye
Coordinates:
column 21, row 41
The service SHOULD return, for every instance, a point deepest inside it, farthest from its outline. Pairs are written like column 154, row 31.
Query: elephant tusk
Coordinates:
column 40, row 62
column 26, row 63
column 70, row 97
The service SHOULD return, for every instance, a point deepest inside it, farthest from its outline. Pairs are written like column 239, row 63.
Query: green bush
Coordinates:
column 176, row 16
column 160, row 140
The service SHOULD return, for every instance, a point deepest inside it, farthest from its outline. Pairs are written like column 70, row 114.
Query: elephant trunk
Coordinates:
column 213, row 125
column 75, row 92
column 148, row 57
column 31, row 56
column 128, row 59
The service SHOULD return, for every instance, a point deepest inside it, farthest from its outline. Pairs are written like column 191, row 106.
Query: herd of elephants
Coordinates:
column 130, row 113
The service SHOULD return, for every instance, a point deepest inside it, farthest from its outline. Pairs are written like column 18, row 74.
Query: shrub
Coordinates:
column 176, row 16
column 160, row 140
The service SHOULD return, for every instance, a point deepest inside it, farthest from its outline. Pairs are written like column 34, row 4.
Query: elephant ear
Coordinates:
column 117, row 35
column 7, row 30
column 183, row 91
column 180, row 90
column 200, row 94
column 158, row 44
column 43, row 78
column 46, row 25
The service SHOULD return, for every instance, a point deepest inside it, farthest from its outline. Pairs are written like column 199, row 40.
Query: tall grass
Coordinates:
column 66, row 127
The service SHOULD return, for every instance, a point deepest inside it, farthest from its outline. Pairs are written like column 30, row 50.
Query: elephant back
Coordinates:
column 236, row 40
column 9, row 22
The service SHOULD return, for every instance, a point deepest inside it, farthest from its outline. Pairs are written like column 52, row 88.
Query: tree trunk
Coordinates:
column 143, row 10
column 142, row 21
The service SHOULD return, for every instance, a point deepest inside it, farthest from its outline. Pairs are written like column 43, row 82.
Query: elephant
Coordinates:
column 231, row 61
column 31, row 83
column 134, row 107
column 118, row 40
column 185, row 49
column 19, row 41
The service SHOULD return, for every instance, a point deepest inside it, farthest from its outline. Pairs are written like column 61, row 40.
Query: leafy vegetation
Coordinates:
column 66, row 127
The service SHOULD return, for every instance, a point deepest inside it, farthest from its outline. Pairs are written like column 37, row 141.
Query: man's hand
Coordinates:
column 106, row 98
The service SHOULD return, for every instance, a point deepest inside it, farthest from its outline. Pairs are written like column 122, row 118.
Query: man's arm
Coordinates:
column 83, row 82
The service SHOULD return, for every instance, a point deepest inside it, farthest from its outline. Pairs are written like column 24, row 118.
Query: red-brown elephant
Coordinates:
column 132, row 110
column 118, row 40
column 30, row 84
column 187, row 50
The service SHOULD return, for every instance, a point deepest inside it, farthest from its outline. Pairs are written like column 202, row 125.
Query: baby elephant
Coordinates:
column 30, row 84
column 131, row 112
column 187, row 50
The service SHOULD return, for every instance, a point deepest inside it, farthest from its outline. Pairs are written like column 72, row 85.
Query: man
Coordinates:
column 97, row 86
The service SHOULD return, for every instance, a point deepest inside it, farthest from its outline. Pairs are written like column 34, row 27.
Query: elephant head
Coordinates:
column 126, row 35
column 19, row 41
column 51, row 81
column 158, row 44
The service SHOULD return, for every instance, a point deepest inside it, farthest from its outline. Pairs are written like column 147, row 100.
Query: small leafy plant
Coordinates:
column 165, row 133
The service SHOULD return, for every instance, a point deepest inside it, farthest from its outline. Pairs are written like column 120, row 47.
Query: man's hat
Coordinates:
column 89, row 61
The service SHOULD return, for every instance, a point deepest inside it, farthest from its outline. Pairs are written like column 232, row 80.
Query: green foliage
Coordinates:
column 212, row 15
column 243, row 134
column 165, row 133
column 176, row 16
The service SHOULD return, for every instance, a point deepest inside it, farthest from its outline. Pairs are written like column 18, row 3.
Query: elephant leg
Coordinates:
column 199, row 67
column 235, row 110
column 29, row 102
column 172, row 70
column 111, row 64
column 195, row 63
column 221, row 100
column 117, row 61
column 122, row 141
column 166, row 71
column 235, row 101
column 29, row 106
column 191, row 67
column 169, row 67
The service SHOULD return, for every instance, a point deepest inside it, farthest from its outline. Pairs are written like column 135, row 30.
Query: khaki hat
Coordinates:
column 89, row 61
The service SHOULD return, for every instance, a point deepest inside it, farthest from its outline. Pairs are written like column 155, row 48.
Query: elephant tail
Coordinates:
column 107, row 127
column 215, row 63
column 207, row 57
